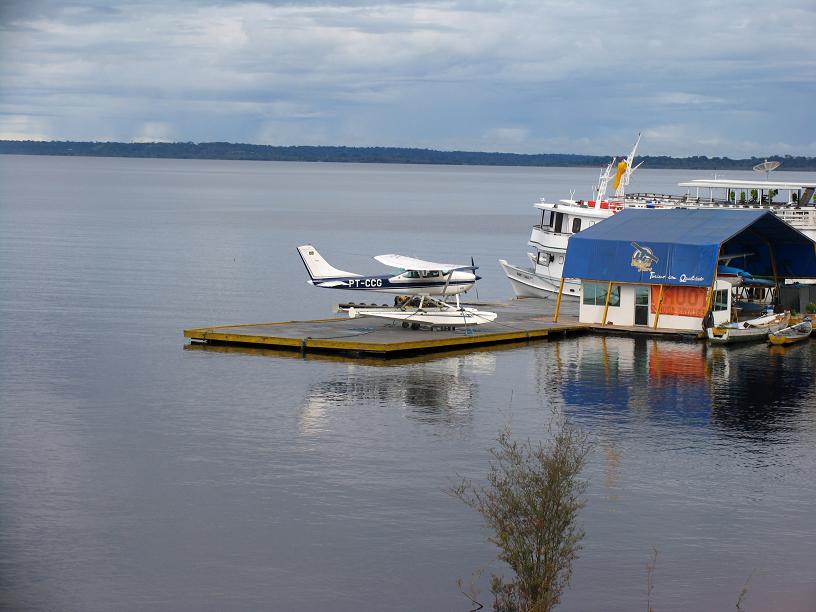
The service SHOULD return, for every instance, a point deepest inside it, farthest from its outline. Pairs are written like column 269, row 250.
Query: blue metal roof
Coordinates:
column 681, row 246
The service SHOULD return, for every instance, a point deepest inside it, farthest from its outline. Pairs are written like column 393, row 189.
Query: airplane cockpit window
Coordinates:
column 411, row 274
column 433, row 273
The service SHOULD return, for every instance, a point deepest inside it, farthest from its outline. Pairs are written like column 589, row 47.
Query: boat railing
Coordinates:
column 687, row 199
column 549, row 230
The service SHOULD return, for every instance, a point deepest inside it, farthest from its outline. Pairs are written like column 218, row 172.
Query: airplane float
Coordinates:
column 431, row 282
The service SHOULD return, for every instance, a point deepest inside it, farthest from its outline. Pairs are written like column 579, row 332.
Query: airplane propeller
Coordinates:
column 475, row 285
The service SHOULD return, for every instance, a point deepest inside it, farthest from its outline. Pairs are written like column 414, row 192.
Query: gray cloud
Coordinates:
column 521, row 76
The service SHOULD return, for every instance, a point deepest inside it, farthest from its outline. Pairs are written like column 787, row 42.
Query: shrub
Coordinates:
column 531, row 503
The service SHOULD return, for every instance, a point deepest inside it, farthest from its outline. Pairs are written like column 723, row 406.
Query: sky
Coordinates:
column 696, row 77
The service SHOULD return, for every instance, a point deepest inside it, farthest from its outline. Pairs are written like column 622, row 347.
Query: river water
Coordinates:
column 138, row 474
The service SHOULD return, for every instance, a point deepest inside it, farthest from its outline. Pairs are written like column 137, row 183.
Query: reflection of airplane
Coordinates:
column 438, row 393
column 417, row 278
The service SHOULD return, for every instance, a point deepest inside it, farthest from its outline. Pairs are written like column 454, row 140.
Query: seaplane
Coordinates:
column 431, row 282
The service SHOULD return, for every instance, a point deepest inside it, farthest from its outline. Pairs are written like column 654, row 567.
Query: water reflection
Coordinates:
column 436, row 389
column 761, row 390
column 436, row 392
column 747, row 390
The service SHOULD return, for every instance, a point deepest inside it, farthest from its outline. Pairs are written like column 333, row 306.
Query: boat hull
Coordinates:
column 732, row 336
column 526, row 283
column 724, row 335
column 785, row 340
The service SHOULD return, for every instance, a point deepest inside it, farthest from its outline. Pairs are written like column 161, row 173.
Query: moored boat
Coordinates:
column 754, row 330
column 794, row 333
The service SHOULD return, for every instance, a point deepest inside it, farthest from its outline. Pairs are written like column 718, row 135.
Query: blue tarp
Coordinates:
column 680, row 246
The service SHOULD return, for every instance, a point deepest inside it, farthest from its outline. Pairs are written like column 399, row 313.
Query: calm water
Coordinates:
column 137, row 475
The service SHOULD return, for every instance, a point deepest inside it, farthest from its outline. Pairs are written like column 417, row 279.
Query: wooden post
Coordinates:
column 606, row 305
column 713, row 282
column 773, row 268
column 659, row 304
column 558, row 301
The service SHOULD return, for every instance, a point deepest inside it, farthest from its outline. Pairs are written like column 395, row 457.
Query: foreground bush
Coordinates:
column 531, row 503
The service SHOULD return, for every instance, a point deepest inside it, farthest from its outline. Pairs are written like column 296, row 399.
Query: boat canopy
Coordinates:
column 683, row 246
column 743, row 184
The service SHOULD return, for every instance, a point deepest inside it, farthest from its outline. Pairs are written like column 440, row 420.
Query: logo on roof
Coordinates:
column 643, row 258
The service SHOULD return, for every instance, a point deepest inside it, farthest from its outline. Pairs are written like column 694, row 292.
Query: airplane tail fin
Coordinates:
column 318, row 267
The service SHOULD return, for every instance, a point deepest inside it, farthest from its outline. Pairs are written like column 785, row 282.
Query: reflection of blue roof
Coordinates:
column 681, row 246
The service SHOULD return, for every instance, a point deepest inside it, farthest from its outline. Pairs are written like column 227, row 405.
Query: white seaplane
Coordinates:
column 431, row 282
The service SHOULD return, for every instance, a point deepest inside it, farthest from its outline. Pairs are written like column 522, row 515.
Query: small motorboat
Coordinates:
column 794, row 333
column 754, row 330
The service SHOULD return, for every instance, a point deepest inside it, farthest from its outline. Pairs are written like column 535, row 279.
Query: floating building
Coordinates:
column 668, row 268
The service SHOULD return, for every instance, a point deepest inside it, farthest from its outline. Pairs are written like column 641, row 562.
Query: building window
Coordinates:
column 595, row 294
column 721, row 299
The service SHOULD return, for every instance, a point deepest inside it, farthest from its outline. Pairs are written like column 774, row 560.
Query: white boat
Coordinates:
column 747, row 331
column 560, row 220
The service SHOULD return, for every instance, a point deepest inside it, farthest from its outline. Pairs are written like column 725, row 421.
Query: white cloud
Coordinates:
column 680, row 98
column 22, row 127
column 153, row 131
column 502, row 136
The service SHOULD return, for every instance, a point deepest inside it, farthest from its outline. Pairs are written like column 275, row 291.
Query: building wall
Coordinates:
column 625, row 313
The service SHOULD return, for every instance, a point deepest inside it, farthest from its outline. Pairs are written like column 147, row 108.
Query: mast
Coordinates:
column 603, row 182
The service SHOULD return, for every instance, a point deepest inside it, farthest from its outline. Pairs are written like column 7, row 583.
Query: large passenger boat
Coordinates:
column 793, row 202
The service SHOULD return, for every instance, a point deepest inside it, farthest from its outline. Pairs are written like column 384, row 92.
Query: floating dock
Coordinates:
column 519, row 320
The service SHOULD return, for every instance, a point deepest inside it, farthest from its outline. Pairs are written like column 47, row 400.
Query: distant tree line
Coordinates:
column 383, row 155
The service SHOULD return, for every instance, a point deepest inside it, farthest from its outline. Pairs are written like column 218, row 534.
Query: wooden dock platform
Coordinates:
column 518, row 321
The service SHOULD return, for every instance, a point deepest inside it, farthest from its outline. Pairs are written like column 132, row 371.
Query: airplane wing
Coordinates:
column 410, row 263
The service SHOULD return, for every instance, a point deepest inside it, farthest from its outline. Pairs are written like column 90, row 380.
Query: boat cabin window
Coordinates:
column 576, row 225
column 721, row 299
column 595, row 294
column 559, row 223
column 547, row 219
column 561, row 259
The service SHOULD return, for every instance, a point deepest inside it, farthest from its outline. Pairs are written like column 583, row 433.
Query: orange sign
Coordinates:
column 682, row 301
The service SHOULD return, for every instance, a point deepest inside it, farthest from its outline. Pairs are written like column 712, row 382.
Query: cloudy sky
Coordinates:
column 707, row 77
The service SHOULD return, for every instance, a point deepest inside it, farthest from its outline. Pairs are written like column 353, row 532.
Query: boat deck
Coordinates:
column 519, row 320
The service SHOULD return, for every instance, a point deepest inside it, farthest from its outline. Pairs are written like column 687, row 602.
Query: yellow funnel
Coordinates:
column 619, row 173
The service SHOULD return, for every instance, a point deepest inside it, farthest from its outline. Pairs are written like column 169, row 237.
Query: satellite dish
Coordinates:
column 767, row 167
